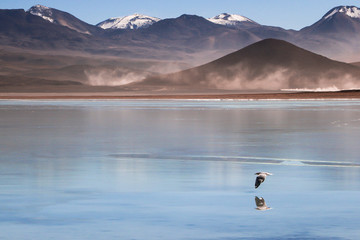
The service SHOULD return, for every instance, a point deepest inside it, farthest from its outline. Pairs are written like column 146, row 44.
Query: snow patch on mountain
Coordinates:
column 350, row 11
column 134, row 21
column 42, row 11
column 229, row 19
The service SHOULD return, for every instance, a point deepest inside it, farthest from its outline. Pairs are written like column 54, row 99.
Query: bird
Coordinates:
column 260, row 204
column 261, row 178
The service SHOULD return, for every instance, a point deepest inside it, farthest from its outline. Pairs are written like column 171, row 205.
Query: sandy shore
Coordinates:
column 256, row 96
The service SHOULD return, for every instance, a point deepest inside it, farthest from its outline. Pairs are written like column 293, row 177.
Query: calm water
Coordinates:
column 179, row 169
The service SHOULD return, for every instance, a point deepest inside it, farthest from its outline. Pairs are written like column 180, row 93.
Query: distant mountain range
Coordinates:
column 147, row 46
column 138, row 21
column 335, row 35
column 134, row 21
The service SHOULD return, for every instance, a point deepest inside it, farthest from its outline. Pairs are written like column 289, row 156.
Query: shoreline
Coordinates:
column 196, row 96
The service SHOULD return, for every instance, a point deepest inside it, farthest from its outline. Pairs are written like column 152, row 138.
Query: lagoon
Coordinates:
column 179, row 169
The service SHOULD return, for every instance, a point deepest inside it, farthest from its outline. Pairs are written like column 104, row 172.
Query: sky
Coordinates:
column 288, row 14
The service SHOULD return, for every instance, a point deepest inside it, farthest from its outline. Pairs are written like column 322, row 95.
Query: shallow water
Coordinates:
column 181, row 169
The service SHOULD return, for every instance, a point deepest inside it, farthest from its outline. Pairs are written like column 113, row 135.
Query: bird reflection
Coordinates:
column 260, row 204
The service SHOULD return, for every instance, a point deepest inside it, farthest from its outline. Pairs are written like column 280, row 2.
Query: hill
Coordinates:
column 269, row 64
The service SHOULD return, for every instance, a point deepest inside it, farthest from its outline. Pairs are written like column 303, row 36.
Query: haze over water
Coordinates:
column 152, row 169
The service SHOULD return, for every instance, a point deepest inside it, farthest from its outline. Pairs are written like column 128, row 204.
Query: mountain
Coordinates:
column 233, row 20
column 24, row 30
column 269, row 64
column 27, row 31
column 63, row 18
column 338, row 21
column 134, row 21
column 189, row 34
column 171, row 44
column 351, row 11
column 197, row 37
column 336, row 34
column 188, row 37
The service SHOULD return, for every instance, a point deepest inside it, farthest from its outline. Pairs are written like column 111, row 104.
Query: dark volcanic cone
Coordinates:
column 267, row 65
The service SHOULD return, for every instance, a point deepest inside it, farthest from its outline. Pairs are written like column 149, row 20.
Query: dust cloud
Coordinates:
column 112, row 77
column 241, row 76
column 243, row 81
column 122, row 75
column 276, row 78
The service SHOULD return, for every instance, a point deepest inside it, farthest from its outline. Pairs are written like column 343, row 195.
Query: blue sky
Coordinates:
column 289, row 14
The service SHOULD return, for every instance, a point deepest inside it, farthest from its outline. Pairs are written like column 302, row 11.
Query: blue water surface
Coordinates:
column 179, row 169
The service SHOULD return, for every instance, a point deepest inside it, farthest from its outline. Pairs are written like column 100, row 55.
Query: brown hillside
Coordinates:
column 269, row 65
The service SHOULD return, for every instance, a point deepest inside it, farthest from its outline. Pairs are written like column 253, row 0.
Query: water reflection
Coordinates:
column 261, row 204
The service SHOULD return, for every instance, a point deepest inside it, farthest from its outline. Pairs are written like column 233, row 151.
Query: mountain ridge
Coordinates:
column 233, row 20
column 134, row 21
column 187, row 38
column 62, row 18
column 335, row 35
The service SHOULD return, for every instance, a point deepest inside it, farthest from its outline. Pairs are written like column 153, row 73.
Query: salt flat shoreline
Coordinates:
column 245, row 96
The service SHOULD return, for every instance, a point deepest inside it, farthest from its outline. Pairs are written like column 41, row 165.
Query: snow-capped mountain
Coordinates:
column 232, row 20
column 134, row 21
column 336, row 34
column 191, row 33
column 350, row 11
column 62, row 18
column 42, row 11
column 25, row 30
column 340, row 22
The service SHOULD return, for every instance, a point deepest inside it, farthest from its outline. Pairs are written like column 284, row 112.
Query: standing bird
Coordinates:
column 260, row 178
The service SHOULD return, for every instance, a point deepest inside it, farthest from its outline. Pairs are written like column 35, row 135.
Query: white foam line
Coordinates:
column 301, row 165
column 263, row 160
column 285, row 159
column 323, row 163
